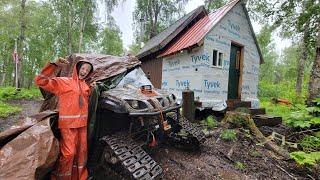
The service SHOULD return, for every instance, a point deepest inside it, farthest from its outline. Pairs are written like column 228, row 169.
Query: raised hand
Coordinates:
column 61, row 62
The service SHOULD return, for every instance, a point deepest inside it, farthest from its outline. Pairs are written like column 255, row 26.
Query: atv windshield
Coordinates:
column 136, row 78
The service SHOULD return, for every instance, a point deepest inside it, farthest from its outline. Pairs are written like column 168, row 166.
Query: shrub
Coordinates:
column 11, row 93
column 310, row 143
column 228, row 135
column 239, row 165
column 302, row 158
column 6, row 110
column 210, row 122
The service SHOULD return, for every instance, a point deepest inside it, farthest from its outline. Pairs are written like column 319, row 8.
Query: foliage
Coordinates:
column 283, row 90
column 134, row 48
column 214, row 4
column 310, row 143
column 228, row 135
column 52, row 29
column 268, row 69
column 238, row 121
column 276, row 109
column 239, row 165
column 210, row 122
column 304, row 116
column 10, row 93
column 151, row 17
column 6, row 110
column 303, row 158
column 111, row 42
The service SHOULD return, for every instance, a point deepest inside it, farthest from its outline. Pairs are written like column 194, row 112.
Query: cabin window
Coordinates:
column 217, row 58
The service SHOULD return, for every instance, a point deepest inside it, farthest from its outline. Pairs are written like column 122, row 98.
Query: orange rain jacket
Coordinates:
column 73, row 95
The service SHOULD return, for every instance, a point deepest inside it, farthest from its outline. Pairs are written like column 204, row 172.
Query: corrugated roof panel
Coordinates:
column 197, row 32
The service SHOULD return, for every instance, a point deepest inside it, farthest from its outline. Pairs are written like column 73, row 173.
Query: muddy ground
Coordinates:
column 238, row 160
column 217, row 159
column 29, row 107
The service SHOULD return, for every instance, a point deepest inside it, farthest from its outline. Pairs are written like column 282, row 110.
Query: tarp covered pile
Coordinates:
column 30, row 149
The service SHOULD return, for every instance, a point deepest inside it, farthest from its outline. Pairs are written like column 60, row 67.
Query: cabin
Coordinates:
column 215, row 54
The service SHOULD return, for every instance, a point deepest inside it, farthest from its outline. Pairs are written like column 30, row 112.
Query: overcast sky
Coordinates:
column 123, row 17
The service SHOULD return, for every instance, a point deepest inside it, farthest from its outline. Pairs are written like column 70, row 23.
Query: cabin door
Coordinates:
column 234, row 72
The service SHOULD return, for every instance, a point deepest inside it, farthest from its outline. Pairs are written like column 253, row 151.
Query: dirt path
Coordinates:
column 28, row 107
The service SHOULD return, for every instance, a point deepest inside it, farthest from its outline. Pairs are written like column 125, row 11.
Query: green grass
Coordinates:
column 283, row 90
column 10, row 93
column 6, row 110
column 276, row 109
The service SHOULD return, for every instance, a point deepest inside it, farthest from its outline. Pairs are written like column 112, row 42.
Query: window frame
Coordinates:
column 216, row 58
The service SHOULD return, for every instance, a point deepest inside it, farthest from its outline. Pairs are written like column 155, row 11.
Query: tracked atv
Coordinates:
column 127, row 117
column 134, row 117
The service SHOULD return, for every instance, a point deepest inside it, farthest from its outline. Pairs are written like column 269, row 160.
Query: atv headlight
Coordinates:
column 134, row 104
column 173, row 97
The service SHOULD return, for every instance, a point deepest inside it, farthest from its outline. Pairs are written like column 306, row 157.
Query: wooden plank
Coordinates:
column 258, row 111
column 266, row 120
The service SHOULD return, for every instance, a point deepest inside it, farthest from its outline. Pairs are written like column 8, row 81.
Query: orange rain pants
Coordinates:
column 73, row 97
column 73, row 154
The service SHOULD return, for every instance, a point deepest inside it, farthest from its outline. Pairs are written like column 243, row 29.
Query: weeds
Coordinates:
column 239, row 165
column 228, row 135
column 302, row 158
column 210, row 122
column 11, row 93
column 310, row 143
column 6, row 110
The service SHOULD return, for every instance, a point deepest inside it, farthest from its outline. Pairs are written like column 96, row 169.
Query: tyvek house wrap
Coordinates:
column 210, row 83
column 30, row 149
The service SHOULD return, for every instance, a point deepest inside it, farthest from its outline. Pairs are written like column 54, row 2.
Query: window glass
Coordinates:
column 220, row 59
column 214, row 57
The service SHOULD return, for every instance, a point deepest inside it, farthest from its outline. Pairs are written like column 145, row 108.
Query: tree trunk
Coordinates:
column 314, row 84
column 69, row 29
column 3, row 79
column 231, row 117
column 83, row 24
column 21, row 42
column 81, row 34
column 4, row 65
column 301, row 65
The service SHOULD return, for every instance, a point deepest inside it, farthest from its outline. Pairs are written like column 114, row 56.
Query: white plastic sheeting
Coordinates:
column 136, row 78
column 210, row 83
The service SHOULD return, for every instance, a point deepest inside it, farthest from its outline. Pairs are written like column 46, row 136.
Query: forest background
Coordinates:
column 44, row 30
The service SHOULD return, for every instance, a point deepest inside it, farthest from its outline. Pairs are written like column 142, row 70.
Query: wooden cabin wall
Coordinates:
column 154, row 67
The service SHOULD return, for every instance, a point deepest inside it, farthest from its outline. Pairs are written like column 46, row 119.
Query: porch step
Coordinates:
column 259, row 111
column 233, row 104
column 267, row 120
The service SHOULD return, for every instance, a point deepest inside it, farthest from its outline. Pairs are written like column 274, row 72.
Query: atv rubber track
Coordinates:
column 192, row 129
column 195, row 134
column 134, row 161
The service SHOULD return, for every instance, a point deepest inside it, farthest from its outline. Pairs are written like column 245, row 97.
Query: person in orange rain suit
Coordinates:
column 73, row 94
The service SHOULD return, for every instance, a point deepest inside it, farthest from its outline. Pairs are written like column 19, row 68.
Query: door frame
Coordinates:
column 240, row 66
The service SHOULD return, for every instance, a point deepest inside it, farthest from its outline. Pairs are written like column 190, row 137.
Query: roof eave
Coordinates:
column 173, row 34
column 253, row 34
